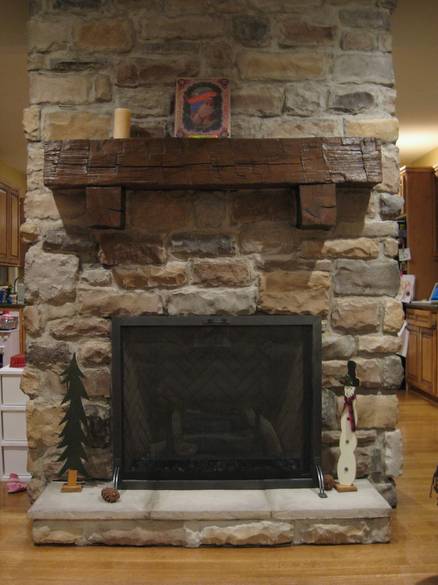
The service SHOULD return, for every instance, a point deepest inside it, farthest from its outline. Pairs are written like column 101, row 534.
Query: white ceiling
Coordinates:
column 415, row 47
column 415, row 44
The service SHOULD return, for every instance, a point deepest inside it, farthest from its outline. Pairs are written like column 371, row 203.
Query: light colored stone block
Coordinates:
column 89, row 505
column 305, row 504
column 210, row 504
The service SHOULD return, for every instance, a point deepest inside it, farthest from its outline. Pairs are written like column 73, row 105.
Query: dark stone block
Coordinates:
column 251, row 31
column 186, row 245
column 374, row 278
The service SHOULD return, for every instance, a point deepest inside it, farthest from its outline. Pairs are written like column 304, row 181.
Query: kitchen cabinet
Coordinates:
column 420, row 228
column 10, row 216
column 422, row 358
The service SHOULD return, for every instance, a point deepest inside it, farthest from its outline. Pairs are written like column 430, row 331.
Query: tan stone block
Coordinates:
column 31, row 122
column 233, row 272
column 305, row 99
column 43, row 423
column 29, row 232
column 124, row 248
column 94, row 352
column 294, row 33
column 33, row 320
column 201, row 27
column 40, row 205
column 375, row 411
column 152, row 70
column 103, row 89
column 97, row 277
column 218, row 59
column 363, row 67
column 332, row 373
column 172, row 275
column 106, row 34
column 359, row 41
column 157, row 104
column 48, row 34
column 390, row 170
column 78, row 327
column 30, row 382
column 97, row 382
column 379, row 343
column 198, row 301
column 296, row 292
column 157, row 212
column 301, row 128
column 370, row 372
column 276, row 66
column 355, row 248
column 394, row 316
column 51, row 277
column 260, row 100
column 335, row 347
column 59, row 89
column 390, row 247
column 356, row 314
column 384, row 128
column 65, row 125
column 105, row 302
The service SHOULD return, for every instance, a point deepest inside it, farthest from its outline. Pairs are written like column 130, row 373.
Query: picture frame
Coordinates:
column 202, row 108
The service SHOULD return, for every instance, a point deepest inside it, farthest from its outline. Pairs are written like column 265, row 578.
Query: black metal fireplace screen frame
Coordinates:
column 313, row 374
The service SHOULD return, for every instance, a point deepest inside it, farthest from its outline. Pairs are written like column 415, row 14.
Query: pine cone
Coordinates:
column 329, row 482
column 110, row 495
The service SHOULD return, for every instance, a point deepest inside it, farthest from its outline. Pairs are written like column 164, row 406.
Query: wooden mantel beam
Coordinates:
column 178, row 164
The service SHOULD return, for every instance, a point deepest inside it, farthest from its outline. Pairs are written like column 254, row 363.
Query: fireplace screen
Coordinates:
column 216, row 402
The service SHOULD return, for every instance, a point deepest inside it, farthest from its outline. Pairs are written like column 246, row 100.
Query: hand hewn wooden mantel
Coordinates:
column 105, row 169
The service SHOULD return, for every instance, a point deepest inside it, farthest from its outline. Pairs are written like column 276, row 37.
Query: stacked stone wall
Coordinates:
column 297, row 68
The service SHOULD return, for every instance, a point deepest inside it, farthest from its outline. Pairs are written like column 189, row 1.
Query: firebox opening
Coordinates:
column 216, row 402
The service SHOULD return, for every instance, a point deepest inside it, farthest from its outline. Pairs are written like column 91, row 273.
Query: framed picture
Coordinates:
column 407, row 288
column 202, row 108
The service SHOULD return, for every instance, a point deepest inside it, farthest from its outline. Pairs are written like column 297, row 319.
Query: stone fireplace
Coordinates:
column 298, row 69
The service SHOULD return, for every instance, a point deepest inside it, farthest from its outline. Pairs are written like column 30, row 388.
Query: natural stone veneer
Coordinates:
column 297, row 69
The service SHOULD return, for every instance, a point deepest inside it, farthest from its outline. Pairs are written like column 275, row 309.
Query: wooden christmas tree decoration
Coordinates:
column 348, row 440
column 73, row 434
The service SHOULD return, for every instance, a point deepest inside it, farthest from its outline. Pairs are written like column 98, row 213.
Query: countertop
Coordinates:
column 422, row 305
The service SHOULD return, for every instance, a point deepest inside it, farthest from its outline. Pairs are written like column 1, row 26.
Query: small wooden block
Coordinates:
column 72, row 482
column 339, row 487
column 71, row 488
column 317, row 206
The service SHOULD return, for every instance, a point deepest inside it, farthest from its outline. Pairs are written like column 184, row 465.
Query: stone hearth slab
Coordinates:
column 210, row 517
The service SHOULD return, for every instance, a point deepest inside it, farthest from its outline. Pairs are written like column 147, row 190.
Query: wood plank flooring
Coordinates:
column 411, row 558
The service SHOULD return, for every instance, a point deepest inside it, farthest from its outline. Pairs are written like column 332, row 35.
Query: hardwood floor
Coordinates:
column 411, row 558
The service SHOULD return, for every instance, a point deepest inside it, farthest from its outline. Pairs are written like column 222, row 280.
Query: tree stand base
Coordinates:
column 342, row 488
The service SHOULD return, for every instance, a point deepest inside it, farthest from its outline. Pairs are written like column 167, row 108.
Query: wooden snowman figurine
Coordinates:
column 348, row 440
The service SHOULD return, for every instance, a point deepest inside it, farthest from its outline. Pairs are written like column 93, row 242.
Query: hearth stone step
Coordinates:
column 193, row 518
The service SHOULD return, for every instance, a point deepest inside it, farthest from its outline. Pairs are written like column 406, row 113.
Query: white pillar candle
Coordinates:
column 122, row 123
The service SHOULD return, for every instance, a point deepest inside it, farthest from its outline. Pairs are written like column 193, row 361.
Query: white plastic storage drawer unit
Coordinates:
column 13, row 444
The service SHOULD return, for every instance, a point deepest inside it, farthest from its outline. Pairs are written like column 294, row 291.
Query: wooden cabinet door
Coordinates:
column 427, row 359
column 14, row 228
column 412, row 361
column 9, row 226
column 3, row 225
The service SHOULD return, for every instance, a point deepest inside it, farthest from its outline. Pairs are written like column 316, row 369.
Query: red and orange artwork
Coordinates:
column 202, row 108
